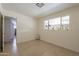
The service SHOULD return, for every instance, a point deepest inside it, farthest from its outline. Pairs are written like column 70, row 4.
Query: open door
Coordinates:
column 1, row 33
column 10, row 46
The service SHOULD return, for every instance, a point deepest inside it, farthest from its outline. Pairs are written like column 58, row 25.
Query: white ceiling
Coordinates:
column 31, row 9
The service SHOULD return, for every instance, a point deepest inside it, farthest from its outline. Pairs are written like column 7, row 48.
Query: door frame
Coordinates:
column 2, row 46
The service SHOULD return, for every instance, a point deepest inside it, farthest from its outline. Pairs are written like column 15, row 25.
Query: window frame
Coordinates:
column 61, row 26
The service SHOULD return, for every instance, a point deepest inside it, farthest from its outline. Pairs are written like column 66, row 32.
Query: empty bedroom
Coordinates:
column 40, row 29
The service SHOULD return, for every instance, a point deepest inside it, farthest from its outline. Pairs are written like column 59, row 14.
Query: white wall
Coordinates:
column 1, row 8
column 67, row 39
column 26, row 26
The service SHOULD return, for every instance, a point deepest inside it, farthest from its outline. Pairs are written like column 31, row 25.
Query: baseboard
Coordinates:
column 23, row 41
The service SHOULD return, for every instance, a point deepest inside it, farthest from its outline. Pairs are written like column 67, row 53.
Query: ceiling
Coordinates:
column 31, row 9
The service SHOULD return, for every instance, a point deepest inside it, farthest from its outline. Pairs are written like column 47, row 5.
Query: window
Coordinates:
column 65, row 23
column 57, row 23
column 46, row 24
column 54, row 23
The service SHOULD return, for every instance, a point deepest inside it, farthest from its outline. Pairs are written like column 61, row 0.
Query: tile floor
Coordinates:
column 41, row 48
column 10, row 48
column 37, row 48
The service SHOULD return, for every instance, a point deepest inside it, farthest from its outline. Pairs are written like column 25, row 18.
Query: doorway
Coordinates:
column 10, row 46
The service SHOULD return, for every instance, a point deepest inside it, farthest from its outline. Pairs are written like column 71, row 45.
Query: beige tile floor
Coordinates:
column 38, row 48
column 10, row 48
column 41, row 48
